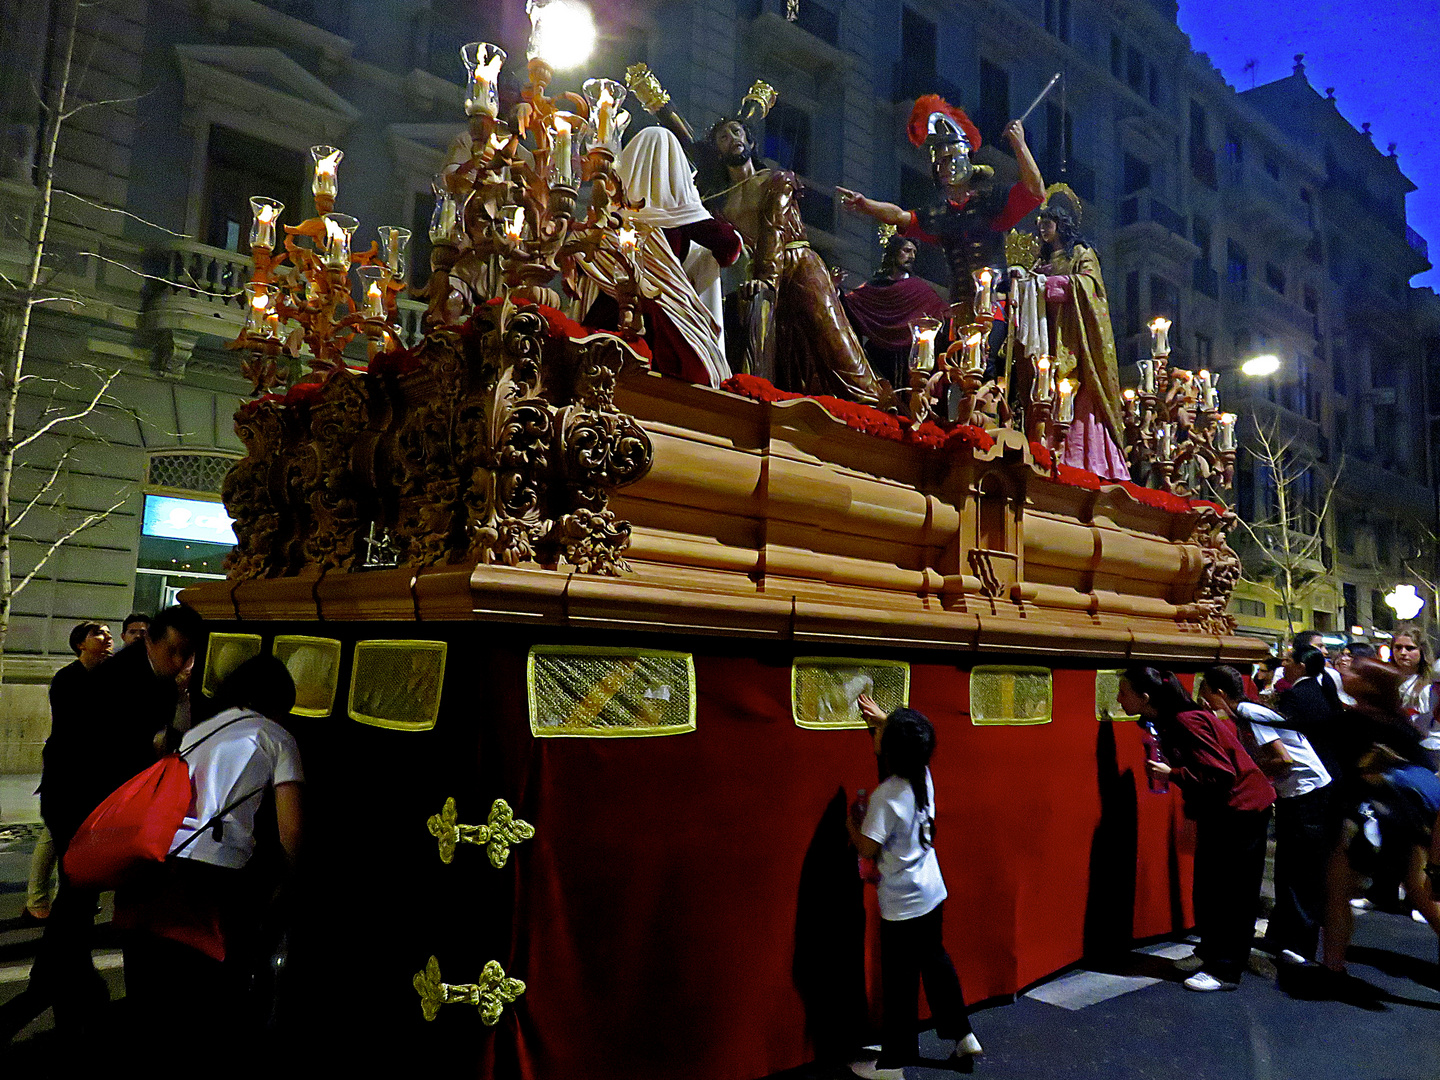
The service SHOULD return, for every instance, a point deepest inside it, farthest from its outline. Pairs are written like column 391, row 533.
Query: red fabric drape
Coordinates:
column 884, row 313
column 666, row 910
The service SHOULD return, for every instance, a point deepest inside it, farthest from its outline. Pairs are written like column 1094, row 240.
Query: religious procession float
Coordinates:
column 580, row 597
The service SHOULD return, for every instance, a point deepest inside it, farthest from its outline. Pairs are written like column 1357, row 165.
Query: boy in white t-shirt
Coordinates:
column 1302, row 834
column 898, row 831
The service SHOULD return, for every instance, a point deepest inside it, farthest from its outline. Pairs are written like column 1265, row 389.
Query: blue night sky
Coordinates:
column 1379, row 56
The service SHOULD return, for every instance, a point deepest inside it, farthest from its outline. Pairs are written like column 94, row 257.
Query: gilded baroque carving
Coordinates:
column 1220, row 571
column 497, row 441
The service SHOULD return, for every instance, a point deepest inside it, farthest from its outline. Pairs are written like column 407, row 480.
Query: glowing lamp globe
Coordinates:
column 562, row 32
column 1260, row 366
column 1404, row 601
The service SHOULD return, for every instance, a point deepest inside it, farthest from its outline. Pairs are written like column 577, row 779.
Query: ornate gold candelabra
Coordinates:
column 1179, row 440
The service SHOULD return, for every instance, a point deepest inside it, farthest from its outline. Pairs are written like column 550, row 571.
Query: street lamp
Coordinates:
column 562, row 32
column 1260, row 366
column 1405, row 602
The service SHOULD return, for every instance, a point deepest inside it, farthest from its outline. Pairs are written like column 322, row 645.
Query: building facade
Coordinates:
column 1257, row 221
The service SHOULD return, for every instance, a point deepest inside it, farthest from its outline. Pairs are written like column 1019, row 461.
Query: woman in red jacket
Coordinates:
column 1229, row 799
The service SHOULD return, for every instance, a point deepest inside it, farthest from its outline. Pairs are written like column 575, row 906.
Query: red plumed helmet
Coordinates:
column 919, row 126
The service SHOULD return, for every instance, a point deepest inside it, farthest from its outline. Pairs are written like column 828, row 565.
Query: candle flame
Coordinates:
column 327, row 165
column 925, row 333
column 516, row 224
column 1204, row 374
column 1160, row 323
column 1067, row 386
column 334, row 234
column 267, row 215
column 1129, row 395
column 628, row 238
column 374, row 291
column 260, row 302
column 1227, row 418
column 562, row 127
column 490, row 70
column 984, row 276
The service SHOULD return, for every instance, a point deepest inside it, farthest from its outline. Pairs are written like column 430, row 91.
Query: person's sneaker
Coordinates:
column 1189, row 963
column 1203, row 982
column 871, row 1071
column 1290, row 956
column 1361, row 904
column 969, row 1046
column 1416, row 916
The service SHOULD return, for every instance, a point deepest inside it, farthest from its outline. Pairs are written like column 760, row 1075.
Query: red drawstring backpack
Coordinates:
column 137, row 823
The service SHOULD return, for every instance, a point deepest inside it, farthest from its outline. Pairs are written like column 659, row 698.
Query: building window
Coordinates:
column 1352, row 605
column 787, row 138
column 1204, row 351
column 1057, row 18
column 237, row 167
column 994, row 112
column 397, row 684
column 1136, row 175
column 1117, row 56
column 1271, row 167
column 1135, row 69
column 1059, row 138
column 1200, row 229
column 1380, row 613
column 185, row 531
column 917, row 42
column 820, row 21
column 1132, row 302
column 1254, row 609
column 601, row 692
column 1153, row 85
column 824, row 690
column 1275, row 278
column 1010, row 696
column 1237, row 263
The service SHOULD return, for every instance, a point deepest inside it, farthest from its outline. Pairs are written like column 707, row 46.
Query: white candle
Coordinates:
column 338, row 229
column 984, row 303
column 1225, row 435
column 327, row 164
column 267, row 212
column 564, row 172
column 375, row 301
column 1147, row 376
column 483, row 62
column 1065, row 401
column 515, row 225
column 974, row 361
column 603, row 110
column 1160, row 337
column 1042, row 391
column 628, row 239
column 922, row 343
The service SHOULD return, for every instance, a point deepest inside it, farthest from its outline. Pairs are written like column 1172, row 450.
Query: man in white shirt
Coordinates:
column 1303, row 789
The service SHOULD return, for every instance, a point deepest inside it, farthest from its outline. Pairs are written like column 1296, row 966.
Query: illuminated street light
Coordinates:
column 1260, row 366
column 562, row 32
column 1405, row 602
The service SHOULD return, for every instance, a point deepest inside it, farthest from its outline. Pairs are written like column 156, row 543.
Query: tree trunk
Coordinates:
column 18, row 325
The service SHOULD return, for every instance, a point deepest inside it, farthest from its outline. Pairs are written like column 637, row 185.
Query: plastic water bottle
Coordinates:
column 1159, row 785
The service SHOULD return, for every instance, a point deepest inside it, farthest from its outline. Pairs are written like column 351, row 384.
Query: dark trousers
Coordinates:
column 64, row 972
column 1302, row 846
column 1229, row 867
column 911, row 950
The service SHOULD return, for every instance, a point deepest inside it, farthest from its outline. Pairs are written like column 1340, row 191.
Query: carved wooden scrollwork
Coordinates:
column 497, row 441
column 1220, row 569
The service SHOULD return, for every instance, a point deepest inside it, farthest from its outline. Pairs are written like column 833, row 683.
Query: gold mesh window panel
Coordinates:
column 225, row 653
column 397, row 684
column 1010, row 695
column 824, row 690
column 314, row 664
column 1107, row 685
column 600, row 692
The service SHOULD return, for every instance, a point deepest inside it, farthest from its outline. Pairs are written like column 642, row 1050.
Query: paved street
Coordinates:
column 1127, row 1020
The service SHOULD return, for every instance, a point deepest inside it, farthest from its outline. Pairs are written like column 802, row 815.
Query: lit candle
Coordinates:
column 372, row 280
column 393, row 244
column 1165, row 437
column 628, row 239
column 327, row 164
column 446, row 219
column 1129, row 399
column 1160, row 337
column 1225, row 435
column 260, row 318
column 602, row 117
column 1065, row 401
column 482, row 64
column 984, row 302
column 974, row 361
column 1207, row 390
column 564, row 172
column 1042, row 391
column 338, row 230
column 267, row 212
column 514, row 224
column 605, row 97
column 922, row 343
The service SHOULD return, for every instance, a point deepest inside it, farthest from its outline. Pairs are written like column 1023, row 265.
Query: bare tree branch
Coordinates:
column 50, row 482
column 194, row 286
column 122, row 213
column 55, row 422
column 89, row 519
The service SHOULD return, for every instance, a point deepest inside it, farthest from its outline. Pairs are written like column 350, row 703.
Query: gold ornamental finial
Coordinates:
column 760, row 98
column 500, row 830
column 1021, row 248
column 491, row 994
column 646, row 87
column 886, row 232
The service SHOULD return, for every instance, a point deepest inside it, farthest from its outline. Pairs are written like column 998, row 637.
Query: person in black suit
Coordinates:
column 1312, row 706
column 116, row 724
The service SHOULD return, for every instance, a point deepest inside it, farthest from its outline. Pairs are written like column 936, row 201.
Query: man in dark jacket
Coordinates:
column 116, row 726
